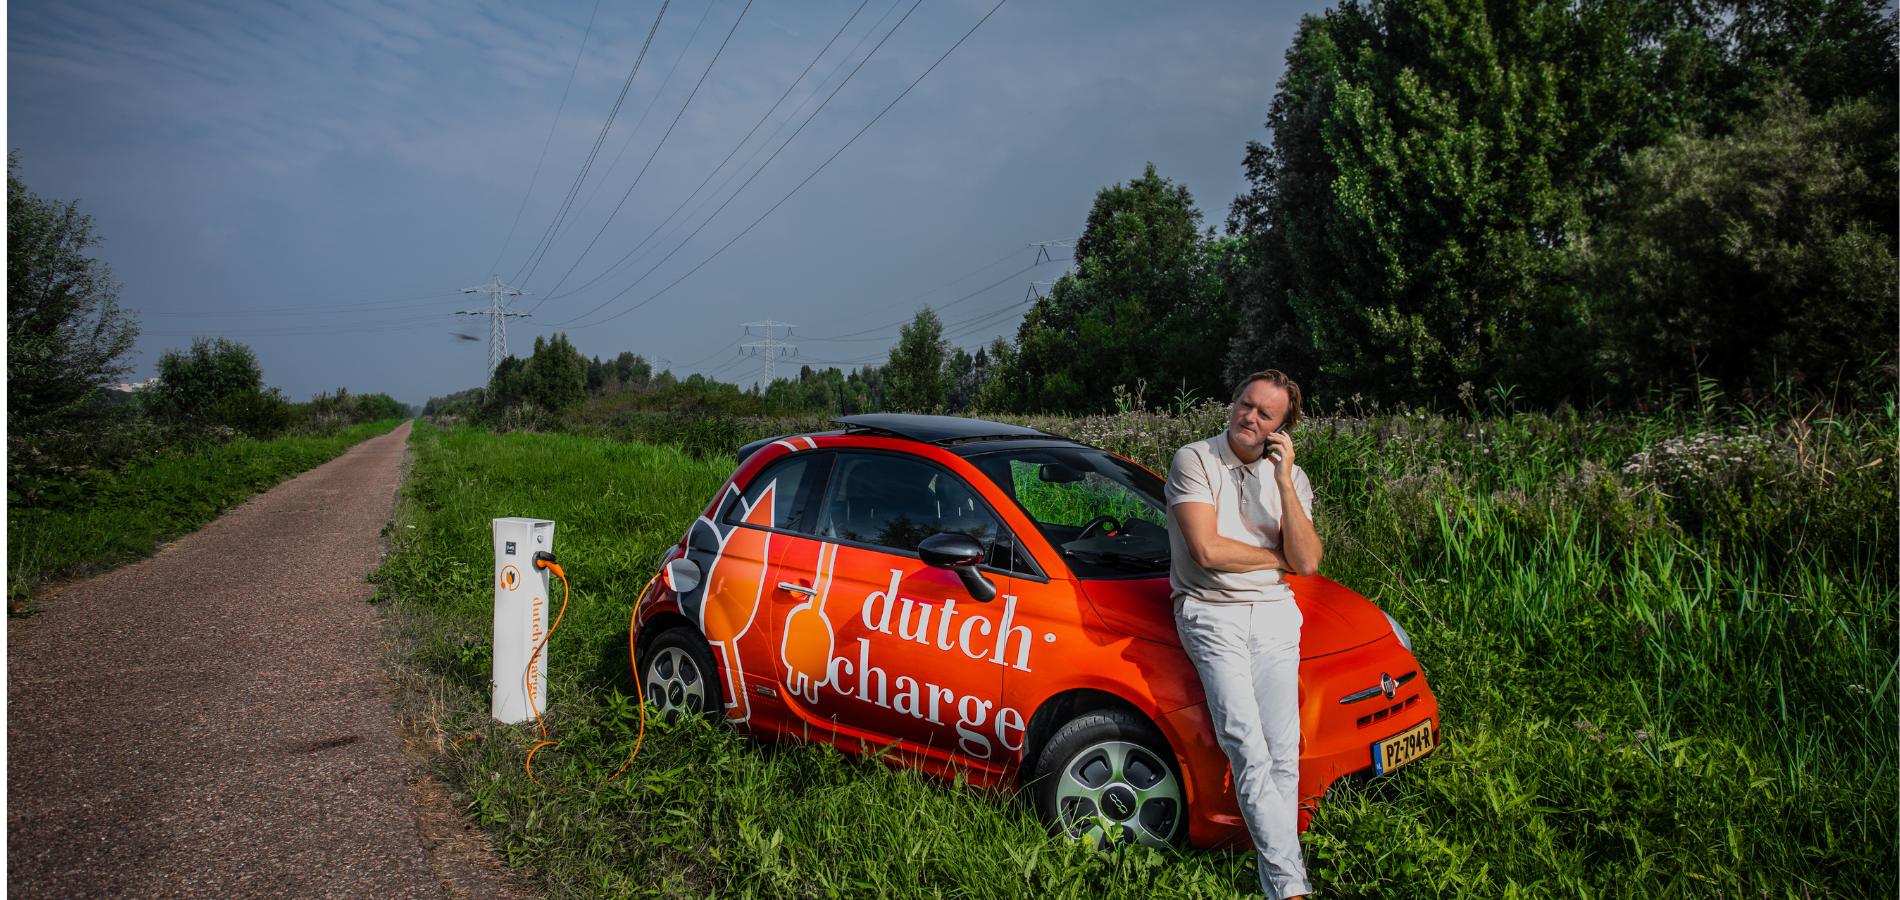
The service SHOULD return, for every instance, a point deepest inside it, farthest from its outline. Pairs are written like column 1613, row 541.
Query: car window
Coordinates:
column 1104, row 514
column 1076, row 502
column 895, row 502
column 792, row 496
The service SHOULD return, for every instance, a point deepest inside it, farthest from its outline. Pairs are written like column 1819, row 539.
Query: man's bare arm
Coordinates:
column 1299, row 541
column 1200, row 526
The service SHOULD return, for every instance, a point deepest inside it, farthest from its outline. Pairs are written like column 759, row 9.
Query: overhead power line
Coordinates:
column 754, row 176
column 854, row 336
column 313, row 309
column 821, row 167
column 735, row 343
column 729, row 155
column 652, row 102
column 552, row 127
column 408, row 324
column 547, row 237
column 656, row 148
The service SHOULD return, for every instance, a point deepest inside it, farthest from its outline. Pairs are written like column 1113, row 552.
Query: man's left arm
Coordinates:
column 1299, row 540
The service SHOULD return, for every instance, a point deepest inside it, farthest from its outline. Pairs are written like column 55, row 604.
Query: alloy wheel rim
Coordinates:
column 674, row 682
column 1119, row 790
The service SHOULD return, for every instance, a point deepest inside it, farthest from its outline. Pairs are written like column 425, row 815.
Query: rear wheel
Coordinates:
column 1109, row 776
column 677, row 674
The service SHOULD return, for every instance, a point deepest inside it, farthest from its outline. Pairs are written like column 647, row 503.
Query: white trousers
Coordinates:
column 1248, row 656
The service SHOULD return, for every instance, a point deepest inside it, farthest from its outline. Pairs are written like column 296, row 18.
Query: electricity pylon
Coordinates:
column 1042, row 249
column 771, row 347
column 498, row 315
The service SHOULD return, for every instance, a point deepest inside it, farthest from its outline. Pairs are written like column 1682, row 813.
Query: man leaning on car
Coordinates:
column 1240, row 515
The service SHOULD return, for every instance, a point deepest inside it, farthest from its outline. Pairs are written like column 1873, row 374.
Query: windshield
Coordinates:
column 1106, row 515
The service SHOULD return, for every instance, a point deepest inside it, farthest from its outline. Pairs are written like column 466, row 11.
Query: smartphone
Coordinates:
column 1273, row 453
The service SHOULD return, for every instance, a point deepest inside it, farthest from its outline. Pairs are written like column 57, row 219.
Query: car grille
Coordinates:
column 1381, row 715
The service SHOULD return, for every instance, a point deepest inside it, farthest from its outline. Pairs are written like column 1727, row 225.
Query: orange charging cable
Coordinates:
column 527, row 674
column 633, row 623
column 633, row 665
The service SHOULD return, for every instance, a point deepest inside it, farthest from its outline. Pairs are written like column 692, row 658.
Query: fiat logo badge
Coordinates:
column 1387, row 686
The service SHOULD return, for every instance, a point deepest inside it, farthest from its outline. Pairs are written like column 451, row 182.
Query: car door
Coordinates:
column 756, row 528
column 881, row 646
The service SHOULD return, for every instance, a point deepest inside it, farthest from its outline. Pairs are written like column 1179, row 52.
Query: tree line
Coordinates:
column 555, row 379
column 1564, row 202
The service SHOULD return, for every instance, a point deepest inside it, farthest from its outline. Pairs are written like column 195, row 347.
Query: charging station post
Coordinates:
column 521, row 619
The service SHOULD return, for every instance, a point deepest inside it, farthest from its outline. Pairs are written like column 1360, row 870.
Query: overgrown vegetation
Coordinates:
column 79, row 526
column 1664, row 645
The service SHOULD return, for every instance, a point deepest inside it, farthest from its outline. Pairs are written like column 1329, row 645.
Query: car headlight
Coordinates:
column 1405, row 640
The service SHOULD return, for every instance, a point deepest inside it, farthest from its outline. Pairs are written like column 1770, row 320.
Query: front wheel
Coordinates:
column 1108, row 775
column 677, row 674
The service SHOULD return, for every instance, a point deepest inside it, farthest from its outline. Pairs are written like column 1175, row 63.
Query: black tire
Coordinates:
column 1110, row 767
column 678, row 676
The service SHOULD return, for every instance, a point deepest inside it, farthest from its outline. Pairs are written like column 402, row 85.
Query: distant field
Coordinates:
column 125, row 516
column 1665, row 652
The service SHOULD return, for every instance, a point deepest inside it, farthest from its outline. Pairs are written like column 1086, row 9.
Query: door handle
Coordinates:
column 798, row 589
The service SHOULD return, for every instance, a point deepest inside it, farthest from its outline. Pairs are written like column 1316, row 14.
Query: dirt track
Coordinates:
column 214, row 722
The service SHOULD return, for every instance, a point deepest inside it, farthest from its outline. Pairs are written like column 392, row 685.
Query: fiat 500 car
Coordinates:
column 988, row 600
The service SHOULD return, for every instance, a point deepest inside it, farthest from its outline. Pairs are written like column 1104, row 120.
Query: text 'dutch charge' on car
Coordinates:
column 992, row 601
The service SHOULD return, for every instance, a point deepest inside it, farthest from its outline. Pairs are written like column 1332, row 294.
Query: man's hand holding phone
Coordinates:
column 1280, row 450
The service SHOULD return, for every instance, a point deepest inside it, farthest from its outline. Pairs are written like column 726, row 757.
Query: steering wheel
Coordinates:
column 1110, row 526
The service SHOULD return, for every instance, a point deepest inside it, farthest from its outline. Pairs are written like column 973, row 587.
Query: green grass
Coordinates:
column 1659, row 676
column 123, row 516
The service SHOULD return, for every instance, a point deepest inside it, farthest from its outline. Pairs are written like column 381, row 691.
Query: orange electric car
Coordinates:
column 990, row 600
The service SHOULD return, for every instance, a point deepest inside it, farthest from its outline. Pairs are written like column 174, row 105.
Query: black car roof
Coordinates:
column 941, row 430
column 960, row 435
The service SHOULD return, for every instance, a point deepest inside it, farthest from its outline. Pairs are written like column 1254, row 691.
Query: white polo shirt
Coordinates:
column 1246, row 503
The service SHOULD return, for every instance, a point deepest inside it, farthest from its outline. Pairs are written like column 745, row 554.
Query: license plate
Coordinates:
column 1407, row 746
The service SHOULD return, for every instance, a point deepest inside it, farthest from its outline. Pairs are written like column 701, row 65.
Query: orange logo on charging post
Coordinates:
column 510, row 577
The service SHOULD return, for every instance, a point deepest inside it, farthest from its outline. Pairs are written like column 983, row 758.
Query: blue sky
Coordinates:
column 320, row 180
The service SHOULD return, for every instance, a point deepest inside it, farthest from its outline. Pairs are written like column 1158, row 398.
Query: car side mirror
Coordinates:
column 961, row 554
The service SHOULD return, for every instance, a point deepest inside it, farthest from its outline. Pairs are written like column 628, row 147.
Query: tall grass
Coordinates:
column 114, row 517
column 1664, row 647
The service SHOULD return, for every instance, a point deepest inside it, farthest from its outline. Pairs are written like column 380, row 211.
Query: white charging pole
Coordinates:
column 521, row 619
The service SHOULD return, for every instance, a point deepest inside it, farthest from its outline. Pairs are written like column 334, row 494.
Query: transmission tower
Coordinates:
column 1042, row 249
column 770, row 347
column 498, row 315
column 1035, row 291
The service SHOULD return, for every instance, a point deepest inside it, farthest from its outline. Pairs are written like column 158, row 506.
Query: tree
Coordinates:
column 1141, row 311
column 507, row 385
column 1756, row 256
column 915, row 368
column 1428, row 171
column 965, row 375
column 66, row 336
column 217, row 382
column 556, row 374
column 1440, row 169
column 631, row 370
column 1005, row 383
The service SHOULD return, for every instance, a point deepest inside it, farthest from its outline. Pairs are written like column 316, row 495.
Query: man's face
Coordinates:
column 1259, row 411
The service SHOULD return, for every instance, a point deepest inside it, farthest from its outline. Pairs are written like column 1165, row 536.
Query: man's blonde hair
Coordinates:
column 1278, row 378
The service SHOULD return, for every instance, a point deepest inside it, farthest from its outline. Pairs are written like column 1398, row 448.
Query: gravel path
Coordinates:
column 213, row 721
